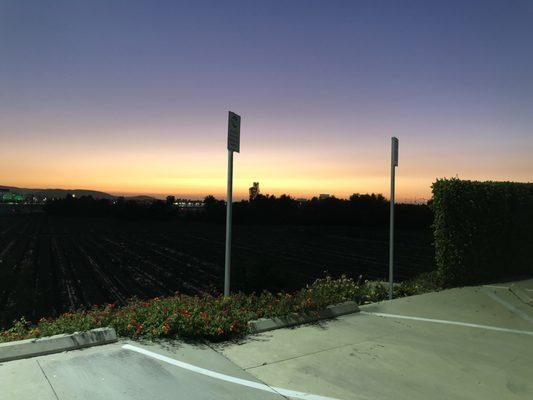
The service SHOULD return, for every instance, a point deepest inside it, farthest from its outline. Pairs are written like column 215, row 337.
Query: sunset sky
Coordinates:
column 132, row 97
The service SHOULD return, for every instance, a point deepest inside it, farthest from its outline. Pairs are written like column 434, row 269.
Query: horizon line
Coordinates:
column 220, row 196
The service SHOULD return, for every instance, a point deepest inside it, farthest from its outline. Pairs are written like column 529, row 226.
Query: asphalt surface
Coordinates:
column 467, row 343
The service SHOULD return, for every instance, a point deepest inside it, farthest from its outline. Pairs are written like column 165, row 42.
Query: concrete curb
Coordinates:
column 522, row 295
column 268, row 324
column 55, row 344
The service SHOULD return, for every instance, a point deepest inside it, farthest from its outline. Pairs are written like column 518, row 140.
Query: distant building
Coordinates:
column 189, row 205
column 5, row 195
column 171, row 200
column 323, row 196
column 10, row 197
column 254, row 191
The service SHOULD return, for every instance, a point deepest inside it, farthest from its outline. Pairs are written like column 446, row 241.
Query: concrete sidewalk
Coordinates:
column 370, row 356
column 468, row 343
column 114, row 372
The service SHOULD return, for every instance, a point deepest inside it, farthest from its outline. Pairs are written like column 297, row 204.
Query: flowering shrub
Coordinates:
column 371, row 292
column 209, row 317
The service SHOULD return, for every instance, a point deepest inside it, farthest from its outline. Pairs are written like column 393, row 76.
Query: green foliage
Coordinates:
column 374, row 291
column 214, row 318
column 208, row 317
column 423, row 283
column 483, row 230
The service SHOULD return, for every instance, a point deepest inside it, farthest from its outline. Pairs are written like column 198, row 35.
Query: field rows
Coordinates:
column 49, row 265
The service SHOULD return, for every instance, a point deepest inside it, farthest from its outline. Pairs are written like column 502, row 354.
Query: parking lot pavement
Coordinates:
column 526, row 284
column 24, row 379
column 129, row 370
column 466, row 343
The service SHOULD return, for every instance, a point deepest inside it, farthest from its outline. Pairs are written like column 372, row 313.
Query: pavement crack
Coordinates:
column 299, row 356
column 244, row 369
column 323, row 350
column 47, row 380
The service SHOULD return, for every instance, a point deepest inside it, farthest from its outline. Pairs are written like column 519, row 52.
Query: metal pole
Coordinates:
column 229, row 206
column 391, row 233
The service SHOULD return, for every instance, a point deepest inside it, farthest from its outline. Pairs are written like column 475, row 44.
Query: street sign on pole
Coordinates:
column 234, row 132
column 234, row 139
column 394, row 164
column 395, row 151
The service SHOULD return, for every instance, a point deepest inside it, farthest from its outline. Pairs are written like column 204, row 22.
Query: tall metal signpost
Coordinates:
column 394, row 164
column 234, row 140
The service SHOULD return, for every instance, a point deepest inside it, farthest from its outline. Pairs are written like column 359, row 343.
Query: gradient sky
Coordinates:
column 132, row 97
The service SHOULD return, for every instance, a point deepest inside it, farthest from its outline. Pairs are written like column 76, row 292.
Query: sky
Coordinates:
column 132, row 97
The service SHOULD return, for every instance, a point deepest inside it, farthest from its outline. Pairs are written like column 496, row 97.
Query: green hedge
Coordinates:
column 483, row 230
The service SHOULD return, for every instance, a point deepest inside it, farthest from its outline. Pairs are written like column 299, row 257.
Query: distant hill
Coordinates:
column 59, row 193
column 62, row 193
column 141, row 199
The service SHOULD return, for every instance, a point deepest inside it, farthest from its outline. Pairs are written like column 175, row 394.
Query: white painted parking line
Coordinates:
column 509, row 306
column 227, row 378
column 496, row 287
column 505, row 287
column 443, row 321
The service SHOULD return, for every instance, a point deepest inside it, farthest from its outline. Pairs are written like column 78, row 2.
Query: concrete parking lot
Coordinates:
column 116, row 371
column 466, row 343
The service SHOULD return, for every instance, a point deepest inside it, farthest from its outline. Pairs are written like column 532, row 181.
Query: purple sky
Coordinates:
column 132, row 97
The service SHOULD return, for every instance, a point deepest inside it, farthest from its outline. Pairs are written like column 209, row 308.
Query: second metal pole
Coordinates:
column 391, row 233
column 229, row 206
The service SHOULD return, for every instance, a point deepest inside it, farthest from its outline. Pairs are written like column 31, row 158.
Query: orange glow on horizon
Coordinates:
column 197, row 168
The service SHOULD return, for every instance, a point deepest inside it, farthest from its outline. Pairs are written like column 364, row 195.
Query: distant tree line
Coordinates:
column 359, row 209
column 87, row 206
